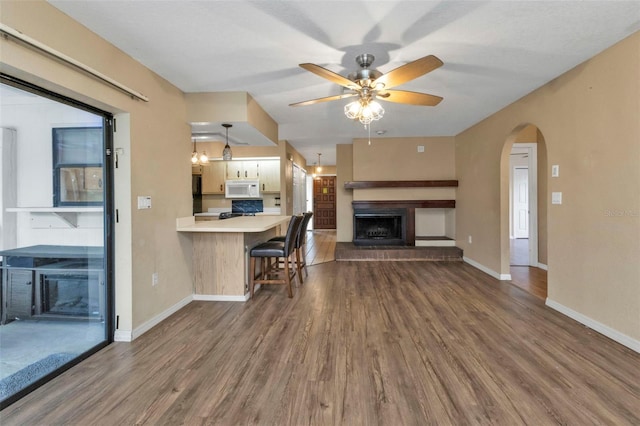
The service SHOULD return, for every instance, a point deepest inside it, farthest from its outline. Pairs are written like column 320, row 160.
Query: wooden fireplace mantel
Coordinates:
column 405, row 204
column 366, row 184
column 410, row 206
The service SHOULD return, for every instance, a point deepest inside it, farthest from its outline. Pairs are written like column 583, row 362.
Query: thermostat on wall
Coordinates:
column 144, row 202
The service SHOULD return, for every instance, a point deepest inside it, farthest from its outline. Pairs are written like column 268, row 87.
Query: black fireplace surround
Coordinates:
column 372, row 227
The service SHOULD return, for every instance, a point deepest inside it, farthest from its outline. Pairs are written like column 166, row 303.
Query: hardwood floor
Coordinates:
column 321, row 246
column 532, row 280
column 519, row 251
column 361, row 343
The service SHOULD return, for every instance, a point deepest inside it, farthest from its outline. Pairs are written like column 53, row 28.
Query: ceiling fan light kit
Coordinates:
column 364, row 111
column 370, row 84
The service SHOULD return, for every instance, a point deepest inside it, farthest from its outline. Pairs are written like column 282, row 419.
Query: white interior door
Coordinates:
column 521, row 202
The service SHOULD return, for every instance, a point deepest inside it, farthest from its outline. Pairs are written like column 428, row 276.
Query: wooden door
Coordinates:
column 324, row 202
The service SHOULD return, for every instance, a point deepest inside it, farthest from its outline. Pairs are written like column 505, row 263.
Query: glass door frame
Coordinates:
column 108, row 228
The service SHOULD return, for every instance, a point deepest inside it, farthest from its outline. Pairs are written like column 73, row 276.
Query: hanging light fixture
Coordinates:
column 198, row 159
column 365, row 110
column 318, row 168
column 226, row 152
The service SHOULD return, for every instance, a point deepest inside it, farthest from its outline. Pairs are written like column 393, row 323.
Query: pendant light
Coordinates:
column 198, row 159
column 226, row 152
column 318, row 168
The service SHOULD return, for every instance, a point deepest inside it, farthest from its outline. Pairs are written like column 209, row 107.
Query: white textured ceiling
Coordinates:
column 494, row 52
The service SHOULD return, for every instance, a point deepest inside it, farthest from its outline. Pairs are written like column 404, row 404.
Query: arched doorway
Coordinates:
column 523, row 210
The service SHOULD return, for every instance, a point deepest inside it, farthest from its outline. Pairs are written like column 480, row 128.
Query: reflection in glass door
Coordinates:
column 56, row 298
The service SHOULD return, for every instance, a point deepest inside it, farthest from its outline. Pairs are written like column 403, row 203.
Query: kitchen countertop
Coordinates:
column 215, row 212
column 259, row 223
column 56, row 251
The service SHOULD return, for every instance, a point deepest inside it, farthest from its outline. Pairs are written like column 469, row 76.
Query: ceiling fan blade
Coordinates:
column 328, row 98
column 330, row 75
column 408, row 72
column 405, row 97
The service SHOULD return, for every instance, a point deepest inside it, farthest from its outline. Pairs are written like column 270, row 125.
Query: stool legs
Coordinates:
column 252, row 276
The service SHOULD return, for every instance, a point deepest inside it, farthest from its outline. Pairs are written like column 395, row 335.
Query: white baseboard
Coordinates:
column 494, row 274
column 605, row 330
column 543, row 266
column 129, row 336
column 220, row 298
column 122, row 336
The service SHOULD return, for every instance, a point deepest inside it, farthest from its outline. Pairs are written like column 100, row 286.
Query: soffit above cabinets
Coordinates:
column 206, row 112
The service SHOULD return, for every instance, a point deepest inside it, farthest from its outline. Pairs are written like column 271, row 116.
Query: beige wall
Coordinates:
column 588, row 118
column 396, row 159
column 155, row 139
column 344, row 197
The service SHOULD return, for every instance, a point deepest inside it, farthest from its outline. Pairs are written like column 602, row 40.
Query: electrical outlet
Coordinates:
column 470, row 239
column 154, row 279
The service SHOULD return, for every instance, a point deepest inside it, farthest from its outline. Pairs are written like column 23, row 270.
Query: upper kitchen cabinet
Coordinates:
column 270, row 176
column 213, row 177
column 246, row 169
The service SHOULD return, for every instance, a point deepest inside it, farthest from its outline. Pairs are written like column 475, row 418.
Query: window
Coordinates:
column 77, row 166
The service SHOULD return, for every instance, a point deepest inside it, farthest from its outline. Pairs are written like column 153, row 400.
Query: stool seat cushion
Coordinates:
column 268, row 249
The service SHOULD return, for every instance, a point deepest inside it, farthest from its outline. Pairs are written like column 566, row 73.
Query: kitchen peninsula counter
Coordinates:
column 220, row 252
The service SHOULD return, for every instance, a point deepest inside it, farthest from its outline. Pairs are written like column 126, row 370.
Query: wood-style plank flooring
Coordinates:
column 321, row 246
column 361, row 343
column 519, row 252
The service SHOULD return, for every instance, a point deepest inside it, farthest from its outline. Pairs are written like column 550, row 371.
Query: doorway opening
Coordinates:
column 524, row 212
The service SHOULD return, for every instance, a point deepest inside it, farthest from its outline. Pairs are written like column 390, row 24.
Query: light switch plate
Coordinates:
column 555, row 170
column 144, row 202
column 556, row 198
column 420, row 148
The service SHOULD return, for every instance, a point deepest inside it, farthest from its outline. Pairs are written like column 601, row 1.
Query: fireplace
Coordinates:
column 380, row 227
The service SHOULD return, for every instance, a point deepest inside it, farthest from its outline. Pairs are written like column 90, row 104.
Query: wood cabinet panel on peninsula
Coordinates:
column 220, row 252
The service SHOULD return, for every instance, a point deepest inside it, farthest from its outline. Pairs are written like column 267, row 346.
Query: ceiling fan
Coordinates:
column 369, row 84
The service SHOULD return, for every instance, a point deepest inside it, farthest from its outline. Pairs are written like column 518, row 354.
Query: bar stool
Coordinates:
column 273, row 273
column 300, row 246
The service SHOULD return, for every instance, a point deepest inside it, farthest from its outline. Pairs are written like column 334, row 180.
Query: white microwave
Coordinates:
column 242, row 188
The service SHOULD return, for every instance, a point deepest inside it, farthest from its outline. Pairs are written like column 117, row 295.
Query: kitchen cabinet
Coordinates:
column 213, row 177
column 196, row 170
column 245, row 169
column 270, row 176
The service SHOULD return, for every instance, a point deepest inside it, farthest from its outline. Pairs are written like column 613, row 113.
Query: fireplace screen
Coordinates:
column 379, row 227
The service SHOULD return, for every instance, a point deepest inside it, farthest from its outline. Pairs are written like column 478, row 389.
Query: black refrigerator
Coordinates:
column 196, row 184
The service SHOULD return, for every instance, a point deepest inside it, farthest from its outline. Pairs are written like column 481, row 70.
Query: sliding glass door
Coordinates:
column 55, row 199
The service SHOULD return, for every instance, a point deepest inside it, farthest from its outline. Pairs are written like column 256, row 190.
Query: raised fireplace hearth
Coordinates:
column 379, row 227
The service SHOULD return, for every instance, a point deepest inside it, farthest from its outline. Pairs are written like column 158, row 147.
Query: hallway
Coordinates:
column 530, row 279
